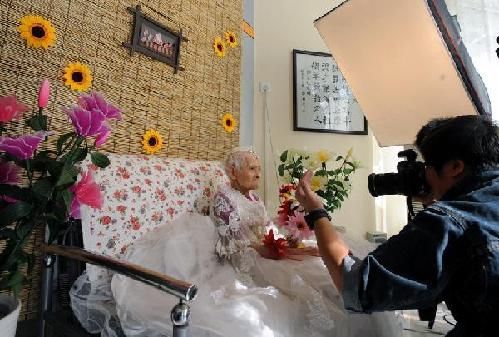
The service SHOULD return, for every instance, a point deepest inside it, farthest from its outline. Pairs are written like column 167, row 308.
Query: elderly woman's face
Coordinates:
column 248, row 176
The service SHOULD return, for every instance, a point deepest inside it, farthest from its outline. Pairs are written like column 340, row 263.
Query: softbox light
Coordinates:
column 405, row 63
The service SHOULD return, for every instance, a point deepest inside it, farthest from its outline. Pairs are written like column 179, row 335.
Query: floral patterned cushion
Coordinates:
column 142, row 192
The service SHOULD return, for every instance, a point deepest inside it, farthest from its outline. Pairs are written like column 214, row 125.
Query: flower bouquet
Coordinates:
column 331, row 181
column 38, row 187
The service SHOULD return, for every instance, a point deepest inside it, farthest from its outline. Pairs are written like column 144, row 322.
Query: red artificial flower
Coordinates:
column 286, row 188
column 286, row 207
column 278, row 249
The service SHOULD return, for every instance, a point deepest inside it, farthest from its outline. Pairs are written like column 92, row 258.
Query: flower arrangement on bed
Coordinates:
column 331, row 181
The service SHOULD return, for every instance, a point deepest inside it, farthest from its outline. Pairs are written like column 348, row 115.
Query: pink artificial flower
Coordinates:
column 43, row 94
column 297, row 226
column 103, row 136
column 86, row 192
column 90, row 123
column 95, row 101
column 11, row 109
column 282, row 219
column 22, row 147
column 9, row 173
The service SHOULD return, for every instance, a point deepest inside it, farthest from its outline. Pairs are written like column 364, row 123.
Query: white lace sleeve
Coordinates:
column 228, row 222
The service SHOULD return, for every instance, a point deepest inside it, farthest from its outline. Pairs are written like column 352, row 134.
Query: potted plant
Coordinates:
column 49, row 194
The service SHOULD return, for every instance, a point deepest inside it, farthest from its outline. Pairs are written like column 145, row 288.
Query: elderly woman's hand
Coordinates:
column 305, row 196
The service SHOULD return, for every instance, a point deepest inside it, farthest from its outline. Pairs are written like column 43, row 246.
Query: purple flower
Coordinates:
column 95, row 101
column 90, row 123
column 22, row 147
column 9, row 173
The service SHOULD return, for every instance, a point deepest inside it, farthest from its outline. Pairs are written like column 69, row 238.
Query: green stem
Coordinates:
column 29, row 173
column 70, row 143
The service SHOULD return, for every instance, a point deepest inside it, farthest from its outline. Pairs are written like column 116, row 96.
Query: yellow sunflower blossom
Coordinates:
column 229, row 123
column 231, row 39
column 77, row 76
column 152, row 141
column 219, row 47
column 318, row 183
column 37, row 31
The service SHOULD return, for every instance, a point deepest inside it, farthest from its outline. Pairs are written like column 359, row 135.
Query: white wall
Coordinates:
column 281, row 26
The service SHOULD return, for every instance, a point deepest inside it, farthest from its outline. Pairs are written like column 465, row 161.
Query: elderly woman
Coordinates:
column 253, row 295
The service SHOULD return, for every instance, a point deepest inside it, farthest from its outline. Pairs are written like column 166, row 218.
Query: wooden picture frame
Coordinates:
column 151, row 38
column 322, row 100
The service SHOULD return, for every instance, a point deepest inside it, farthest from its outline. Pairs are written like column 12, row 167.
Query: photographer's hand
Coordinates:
column 331, row 247
column 305, row 196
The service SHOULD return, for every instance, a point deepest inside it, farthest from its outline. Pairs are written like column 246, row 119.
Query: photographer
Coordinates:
column 448, row 252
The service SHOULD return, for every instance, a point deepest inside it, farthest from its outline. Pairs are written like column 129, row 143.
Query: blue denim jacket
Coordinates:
column 449, row 251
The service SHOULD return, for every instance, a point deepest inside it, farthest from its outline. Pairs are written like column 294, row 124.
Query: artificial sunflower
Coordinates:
column 231, row 39
column 37, row 31
column 229, row 123
column 152, row 141
column 219, row 47
column 78, row 76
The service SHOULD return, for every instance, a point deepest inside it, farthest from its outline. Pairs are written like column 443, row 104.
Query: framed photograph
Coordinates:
column 155, row 40
column 322, row 100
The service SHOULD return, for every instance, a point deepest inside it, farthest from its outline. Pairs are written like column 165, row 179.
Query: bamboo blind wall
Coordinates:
column 186, row 108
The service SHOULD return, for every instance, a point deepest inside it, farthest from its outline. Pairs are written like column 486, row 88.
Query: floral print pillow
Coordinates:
column 141, row 193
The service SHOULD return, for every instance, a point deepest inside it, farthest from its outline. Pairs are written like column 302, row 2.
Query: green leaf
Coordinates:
column 66, row 197
column 62, row 141
column 43, row 188
column 14, row 191
column 16, row 283
column 78, row 155
column 338, row 158
column 37, row 123
column 68, row 176
column 321, row 173
column 347, row 171
column 281, row 170
column 55, row 168
column 350, row 164
column 23, row 229
column 284, row 156
column 14, row 212
column 100, row 159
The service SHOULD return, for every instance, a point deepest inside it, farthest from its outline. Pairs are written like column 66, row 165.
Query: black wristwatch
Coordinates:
column 315, row 215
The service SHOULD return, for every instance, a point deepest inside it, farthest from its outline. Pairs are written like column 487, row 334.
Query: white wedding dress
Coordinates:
column 240, row 293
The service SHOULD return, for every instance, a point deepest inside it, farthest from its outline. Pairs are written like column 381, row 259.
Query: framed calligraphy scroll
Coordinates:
column 322, row 100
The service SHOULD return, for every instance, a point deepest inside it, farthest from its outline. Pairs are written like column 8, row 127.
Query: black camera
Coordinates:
column 409, row 180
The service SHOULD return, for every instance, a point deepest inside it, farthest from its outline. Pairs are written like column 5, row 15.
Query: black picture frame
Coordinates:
column 313, row 105
column 151, row 38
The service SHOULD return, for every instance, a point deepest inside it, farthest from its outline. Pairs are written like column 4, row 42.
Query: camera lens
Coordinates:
column 384, row 184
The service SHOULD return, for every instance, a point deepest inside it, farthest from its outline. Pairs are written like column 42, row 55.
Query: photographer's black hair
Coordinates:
column 472, row 139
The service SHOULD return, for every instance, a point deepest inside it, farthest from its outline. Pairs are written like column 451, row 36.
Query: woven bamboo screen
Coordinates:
column 186, row 108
